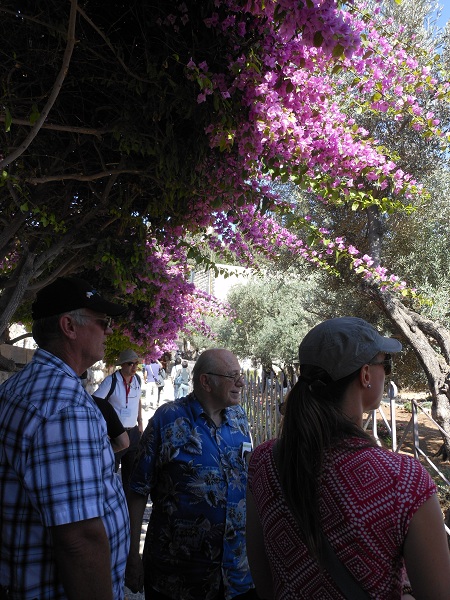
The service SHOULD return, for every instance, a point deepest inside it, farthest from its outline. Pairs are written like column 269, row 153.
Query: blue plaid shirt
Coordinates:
column 56, row 467
column 196, row 476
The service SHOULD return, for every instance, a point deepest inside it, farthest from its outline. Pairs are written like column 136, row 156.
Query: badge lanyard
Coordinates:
column 125, row 412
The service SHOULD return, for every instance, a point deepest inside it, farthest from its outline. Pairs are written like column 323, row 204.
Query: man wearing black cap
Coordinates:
column 64, row 522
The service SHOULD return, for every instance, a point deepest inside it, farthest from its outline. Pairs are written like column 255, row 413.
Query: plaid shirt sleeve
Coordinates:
column 64, row 469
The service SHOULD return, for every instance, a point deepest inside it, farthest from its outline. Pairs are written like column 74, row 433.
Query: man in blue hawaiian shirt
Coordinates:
column 192, row 463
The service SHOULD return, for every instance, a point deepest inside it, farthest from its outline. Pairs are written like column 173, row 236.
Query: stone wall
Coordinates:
column 4, row 376
column 21, row 356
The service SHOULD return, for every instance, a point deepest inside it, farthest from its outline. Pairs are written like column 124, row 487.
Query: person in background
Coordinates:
column 118, row 436
column 151, row 373
column 64, row 530
column 116, row 431
column 165, row 360
column 325, row 484
column 175, row 376
column 122, row 390
column 192, row 464
column 185, row 379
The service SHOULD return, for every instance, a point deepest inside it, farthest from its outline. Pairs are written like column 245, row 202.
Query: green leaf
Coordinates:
column 35, row 114
column 338, row 50
column 318, row 39
column 8, row 120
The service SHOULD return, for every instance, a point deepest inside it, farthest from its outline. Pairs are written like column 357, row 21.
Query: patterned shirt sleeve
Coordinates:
column 414, row 488
column 143, row 474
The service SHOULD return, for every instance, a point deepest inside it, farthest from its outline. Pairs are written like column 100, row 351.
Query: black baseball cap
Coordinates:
column 70, row 293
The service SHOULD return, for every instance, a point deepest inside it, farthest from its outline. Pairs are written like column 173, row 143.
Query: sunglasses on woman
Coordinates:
column 387, row 364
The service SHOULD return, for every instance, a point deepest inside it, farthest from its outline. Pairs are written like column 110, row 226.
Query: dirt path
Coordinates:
column 430, row 438
column 430, row 441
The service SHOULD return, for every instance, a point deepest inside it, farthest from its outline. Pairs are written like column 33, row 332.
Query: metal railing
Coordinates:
column 261, row 403
column 413, row 425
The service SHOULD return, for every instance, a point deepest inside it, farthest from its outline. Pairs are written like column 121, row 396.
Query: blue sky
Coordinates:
column 445, row 12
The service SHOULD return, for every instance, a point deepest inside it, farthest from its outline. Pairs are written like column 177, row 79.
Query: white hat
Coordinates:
column 127, row 356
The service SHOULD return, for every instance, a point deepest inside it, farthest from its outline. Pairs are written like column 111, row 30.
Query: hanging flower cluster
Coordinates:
column 279, row 101
column 166, row 303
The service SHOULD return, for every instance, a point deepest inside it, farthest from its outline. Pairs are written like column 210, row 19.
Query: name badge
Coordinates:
column 125, row 412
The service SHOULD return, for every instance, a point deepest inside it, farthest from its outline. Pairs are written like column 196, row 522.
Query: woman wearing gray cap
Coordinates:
column 329, row 513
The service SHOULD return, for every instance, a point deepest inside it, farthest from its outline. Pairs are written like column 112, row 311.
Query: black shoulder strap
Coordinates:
column 341, row 575
column 139, row 379
column 113, row 385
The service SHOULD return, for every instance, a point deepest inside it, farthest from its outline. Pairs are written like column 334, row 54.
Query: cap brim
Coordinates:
column 390, row 345
column 109, row 308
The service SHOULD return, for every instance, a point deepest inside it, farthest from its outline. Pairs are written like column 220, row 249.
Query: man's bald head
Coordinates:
column 214, row 360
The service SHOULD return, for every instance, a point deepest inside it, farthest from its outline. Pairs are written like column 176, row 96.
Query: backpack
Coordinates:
column 178, row 379
column 185, row 376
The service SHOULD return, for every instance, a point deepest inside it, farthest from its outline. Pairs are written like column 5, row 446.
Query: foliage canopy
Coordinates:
column 131, row 131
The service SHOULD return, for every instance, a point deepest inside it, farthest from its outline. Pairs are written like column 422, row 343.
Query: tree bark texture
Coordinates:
column 431, row 344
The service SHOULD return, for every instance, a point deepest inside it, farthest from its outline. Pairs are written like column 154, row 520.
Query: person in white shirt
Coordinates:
column 122, row 389
column 175, row 376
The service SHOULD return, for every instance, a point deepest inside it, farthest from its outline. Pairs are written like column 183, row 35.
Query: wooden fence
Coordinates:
column 261, row 401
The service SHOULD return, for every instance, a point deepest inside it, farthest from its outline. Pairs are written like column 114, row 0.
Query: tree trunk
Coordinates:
column 431, row 345
column 429, row 340
column 12, row 295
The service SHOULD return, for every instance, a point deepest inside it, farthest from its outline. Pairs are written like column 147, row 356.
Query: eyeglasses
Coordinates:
column 131, row 364
column 106, row 322
column 235, row 378
column 387, row 364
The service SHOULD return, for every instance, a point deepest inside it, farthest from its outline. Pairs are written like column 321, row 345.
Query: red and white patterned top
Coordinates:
column 367, row 497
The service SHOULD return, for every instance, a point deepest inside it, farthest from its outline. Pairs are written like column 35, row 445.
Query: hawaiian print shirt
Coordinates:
column 196, row 476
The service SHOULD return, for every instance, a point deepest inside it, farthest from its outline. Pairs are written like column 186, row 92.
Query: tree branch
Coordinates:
column 55, row 91
column 9, row 302
column 81, row 177
column 111, row 47
column 67, row 128
column 17, row 339
column 14, row 223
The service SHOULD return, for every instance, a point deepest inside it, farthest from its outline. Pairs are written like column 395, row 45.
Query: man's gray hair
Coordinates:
column 46, row 331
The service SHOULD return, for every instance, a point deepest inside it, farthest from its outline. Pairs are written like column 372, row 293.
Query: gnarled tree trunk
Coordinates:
column 430, row 342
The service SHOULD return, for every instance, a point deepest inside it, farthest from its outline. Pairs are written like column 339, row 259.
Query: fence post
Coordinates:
column 375, row 427
column 415, row 428
column 393, row 425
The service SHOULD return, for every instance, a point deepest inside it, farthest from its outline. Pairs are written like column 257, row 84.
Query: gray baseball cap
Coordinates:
column 128, row 355
column 343, row 345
